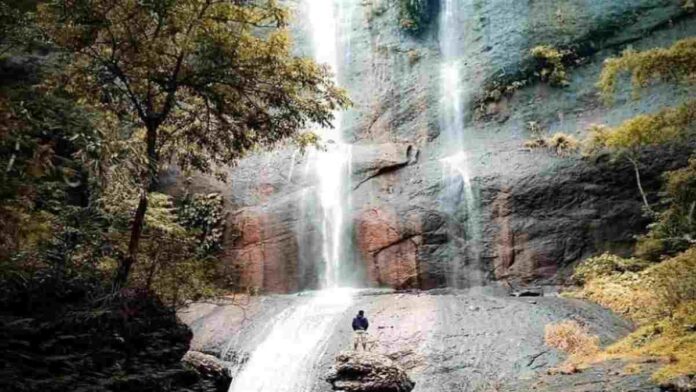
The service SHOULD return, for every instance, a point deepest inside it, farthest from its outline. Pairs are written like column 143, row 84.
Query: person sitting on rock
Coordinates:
column 360, row 325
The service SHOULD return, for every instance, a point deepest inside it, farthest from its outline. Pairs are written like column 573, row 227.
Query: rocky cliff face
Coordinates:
column 536, row 213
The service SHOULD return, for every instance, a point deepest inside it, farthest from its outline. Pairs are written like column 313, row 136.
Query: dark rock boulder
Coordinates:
column 127, row 342
column 209, row 367
column 357, row 371
column 680, row 384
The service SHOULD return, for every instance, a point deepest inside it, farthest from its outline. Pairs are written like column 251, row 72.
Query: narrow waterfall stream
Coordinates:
column 286, row 360
column 456, row 167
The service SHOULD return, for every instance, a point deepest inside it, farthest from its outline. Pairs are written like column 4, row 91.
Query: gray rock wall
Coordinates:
column 536, row 213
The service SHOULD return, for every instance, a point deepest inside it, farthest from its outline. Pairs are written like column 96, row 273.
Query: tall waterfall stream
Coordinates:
column 456, row 166
column 285, row 360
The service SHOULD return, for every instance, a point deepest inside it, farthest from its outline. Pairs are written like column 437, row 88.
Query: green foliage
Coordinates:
column 198, row 83
column 661, row 299
column 674, row 280
column 204, row 214
column 550, row 64
column 203, row 74
column 415, row 15
column 646, row 130
column 674, row 64
column 675, row 228
column 173, row 262
column 606, row 265
column 17, row 31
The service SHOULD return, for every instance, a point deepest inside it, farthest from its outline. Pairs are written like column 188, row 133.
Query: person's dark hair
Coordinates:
column 361, row 313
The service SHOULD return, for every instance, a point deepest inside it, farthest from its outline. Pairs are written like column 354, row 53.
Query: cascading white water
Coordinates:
column 333, row 162
column 286, row 360
column 456, row 166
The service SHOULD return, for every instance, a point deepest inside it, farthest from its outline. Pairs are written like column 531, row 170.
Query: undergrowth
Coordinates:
column 573, row 339
column 660, row 298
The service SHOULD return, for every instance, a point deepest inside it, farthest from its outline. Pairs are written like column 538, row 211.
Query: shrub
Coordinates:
column 674, row 64
column 571, row 338
column 669, row 125
column 639, row 290
column 550, row 67
column 671, row 339
column 674, row 280
column 563, row 143
column 560, row 143
column 535, row 143
column 607, row 265
column 661, row 299
column 675, row 228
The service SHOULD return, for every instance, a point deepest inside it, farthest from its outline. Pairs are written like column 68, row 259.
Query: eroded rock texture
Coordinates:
column 357, row 371
column 408, row 225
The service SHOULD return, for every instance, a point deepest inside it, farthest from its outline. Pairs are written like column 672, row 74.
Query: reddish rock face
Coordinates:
column 391, row 258
column 260, row 253
column 505, row 241
column 517, row 259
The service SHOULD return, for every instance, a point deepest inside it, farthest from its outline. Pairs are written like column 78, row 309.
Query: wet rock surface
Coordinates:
column 359, row 371
column 445, row 340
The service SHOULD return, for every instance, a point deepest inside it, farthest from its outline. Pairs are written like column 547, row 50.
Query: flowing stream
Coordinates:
column 286, row 360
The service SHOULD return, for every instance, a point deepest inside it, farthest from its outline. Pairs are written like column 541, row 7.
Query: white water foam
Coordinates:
column 287, row 359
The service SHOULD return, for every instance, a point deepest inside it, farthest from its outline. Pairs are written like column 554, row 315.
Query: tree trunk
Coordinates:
column 134, row 243
column 149, row 181
column 640, row 184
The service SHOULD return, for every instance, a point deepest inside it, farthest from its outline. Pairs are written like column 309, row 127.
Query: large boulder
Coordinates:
column 65, row 342
column 357, row 371
column 209, row 367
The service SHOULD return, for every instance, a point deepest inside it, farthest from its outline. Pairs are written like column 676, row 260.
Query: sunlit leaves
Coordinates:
column 664, row 127
column 674, row 64
column 217, row 77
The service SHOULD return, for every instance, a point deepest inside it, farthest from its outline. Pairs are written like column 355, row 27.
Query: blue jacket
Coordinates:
column 360, row 323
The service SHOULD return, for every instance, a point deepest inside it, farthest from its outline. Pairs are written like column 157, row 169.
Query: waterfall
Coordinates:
column 332, row 163
column 459, row 198
column 287, row 358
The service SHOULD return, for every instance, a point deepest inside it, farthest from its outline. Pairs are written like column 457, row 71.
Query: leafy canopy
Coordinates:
column 197, row 82
column 215, row 78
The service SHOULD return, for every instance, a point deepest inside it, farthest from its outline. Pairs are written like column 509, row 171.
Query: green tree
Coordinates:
column 629, row 138
column 196, row 82
column 675, row 228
